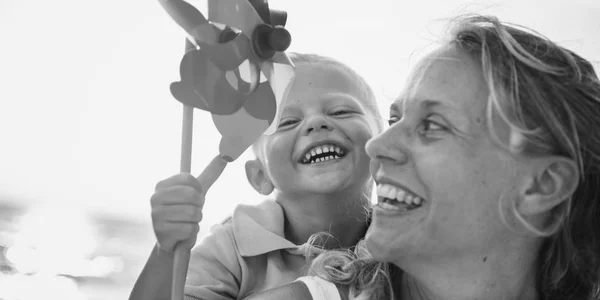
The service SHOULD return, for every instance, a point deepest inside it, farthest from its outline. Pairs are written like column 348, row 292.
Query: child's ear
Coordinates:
column 553, row 180
column 257, row 176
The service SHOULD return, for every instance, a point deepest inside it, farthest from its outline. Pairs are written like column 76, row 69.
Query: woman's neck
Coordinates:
column 342, row 215
column 508, row 273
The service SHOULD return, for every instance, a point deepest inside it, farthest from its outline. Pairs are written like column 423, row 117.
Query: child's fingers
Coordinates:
column 179, row 179
column 180, row 194
column 212, row 172
column 178, row 214
column 173, row 233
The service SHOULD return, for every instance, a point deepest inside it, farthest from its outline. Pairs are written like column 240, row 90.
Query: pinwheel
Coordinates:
column 235, row 68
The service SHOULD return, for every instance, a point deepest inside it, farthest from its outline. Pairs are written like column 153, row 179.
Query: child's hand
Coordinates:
column 177, row 205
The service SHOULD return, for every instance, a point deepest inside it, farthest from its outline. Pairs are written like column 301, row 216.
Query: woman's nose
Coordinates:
column 387, row 146
column 316, row 123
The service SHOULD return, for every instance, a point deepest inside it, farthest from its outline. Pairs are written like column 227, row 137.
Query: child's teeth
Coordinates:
column 409, row 199
column 417, row 200
column 307, row 156
column 319, row 151
column 313, row 153
column 330, row 148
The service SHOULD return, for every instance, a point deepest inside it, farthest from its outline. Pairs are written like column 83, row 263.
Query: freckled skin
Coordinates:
column 460, row 171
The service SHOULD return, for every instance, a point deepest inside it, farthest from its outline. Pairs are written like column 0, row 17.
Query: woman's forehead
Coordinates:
column 447, row 76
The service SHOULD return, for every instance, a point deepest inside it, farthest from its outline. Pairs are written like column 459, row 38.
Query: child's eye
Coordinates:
column 287, row 122
column 341, row 112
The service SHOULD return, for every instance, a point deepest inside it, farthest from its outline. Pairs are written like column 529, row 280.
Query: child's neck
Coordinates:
column 342, row 215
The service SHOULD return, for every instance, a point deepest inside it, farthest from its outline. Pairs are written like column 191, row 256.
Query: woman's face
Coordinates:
column 439, row 149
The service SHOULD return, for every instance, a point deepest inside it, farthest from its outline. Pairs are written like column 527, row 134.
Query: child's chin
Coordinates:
column 330, row 182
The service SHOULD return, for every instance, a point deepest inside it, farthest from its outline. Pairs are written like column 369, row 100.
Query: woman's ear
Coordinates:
column 258, row 178
column 553, row 180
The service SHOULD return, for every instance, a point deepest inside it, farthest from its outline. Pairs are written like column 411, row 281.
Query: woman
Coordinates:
column 488, row 177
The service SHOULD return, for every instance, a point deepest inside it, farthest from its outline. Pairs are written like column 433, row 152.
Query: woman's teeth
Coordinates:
column 396, row 198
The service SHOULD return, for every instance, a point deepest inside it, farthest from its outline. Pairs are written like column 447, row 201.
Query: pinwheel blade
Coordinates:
column 184, row 14
column 239, row 14
column 280, row 74
column 238, row 131
column 192, row 21
column 229, row 55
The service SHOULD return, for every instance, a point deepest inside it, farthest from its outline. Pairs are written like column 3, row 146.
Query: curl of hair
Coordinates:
column 356, row 271
column 550, row 99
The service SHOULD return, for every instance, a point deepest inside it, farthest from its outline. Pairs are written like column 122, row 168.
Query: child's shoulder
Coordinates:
column 268, row 209
column 255, row 229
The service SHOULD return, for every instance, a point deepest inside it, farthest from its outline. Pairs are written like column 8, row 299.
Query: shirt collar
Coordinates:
column 258, row 229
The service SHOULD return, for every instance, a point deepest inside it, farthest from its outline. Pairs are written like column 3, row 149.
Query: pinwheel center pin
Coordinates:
column 267, row 39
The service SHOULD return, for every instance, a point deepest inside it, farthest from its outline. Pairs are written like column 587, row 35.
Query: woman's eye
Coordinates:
column 431, row 126
column 392, row 120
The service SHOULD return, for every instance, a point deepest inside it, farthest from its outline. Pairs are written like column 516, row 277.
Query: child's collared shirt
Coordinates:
column 242, row 255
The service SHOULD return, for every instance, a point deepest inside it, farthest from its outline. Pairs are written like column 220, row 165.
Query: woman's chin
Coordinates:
column 381, row 245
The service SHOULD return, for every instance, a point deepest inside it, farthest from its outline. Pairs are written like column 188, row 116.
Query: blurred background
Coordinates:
column 88, row 125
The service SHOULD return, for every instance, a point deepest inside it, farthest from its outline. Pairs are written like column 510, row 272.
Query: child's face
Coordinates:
column 319, row 146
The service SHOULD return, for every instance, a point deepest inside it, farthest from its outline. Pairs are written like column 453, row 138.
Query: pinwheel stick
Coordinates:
column 182, row 253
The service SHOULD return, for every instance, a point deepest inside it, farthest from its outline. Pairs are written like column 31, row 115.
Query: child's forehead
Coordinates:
column 323, row 73
column 324, row 99
column 323, row 81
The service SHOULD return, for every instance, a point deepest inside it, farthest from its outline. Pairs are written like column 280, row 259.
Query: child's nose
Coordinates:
column 317, row 123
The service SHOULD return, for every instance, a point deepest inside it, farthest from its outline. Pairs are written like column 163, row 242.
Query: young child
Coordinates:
column 315, row 166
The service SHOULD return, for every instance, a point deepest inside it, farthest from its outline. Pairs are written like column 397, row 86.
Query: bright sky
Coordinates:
column 87, row 119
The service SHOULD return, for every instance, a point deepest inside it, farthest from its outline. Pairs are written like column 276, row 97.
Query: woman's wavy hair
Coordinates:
column 550, row 98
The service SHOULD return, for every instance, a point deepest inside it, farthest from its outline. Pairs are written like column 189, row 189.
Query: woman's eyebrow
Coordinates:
column 452, row 112
column 426, row 104
column 430, row 103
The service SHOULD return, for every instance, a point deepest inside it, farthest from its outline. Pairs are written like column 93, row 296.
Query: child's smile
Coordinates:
column 319, row 144
column 323, row 151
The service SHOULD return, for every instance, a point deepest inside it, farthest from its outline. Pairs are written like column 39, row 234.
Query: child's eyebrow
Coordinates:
column 339, row 95
column 290, row 109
